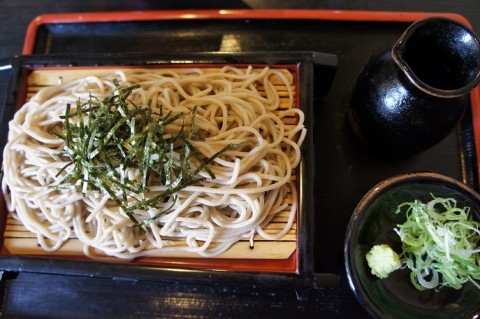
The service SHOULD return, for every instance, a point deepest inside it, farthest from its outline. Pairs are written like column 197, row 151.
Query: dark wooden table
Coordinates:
column 35, row 295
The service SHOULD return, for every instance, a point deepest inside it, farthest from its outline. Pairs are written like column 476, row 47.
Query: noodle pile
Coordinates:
column 234, row 105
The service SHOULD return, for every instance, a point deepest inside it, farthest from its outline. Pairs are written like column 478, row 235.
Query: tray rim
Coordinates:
column 260, row 14
column 229, row 14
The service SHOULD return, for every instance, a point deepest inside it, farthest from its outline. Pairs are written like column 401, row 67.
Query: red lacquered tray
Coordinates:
column 344, row 170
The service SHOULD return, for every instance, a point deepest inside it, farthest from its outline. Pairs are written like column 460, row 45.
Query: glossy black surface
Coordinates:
column 373, row 222
column 348, row 171
column 409, row 97
column 393, row 117
column 440, row 55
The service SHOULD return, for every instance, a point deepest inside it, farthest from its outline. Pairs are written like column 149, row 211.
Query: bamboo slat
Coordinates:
column 19, row 241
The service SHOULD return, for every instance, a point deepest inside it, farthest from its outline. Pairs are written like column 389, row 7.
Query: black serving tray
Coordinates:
column 304, row 66
column 344, row 169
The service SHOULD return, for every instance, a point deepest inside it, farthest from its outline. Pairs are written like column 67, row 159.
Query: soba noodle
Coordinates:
column 251, row 184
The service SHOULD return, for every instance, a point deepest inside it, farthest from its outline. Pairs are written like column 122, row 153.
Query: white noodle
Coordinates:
column 252, row 180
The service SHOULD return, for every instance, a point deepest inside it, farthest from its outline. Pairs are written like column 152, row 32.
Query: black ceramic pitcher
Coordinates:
column 409, row 97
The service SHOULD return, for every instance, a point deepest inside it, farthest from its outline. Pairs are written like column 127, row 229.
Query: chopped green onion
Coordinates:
column 439, row 243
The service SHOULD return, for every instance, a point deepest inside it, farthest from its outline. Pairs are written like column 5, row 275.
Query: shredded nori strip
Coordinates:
column 104, row 139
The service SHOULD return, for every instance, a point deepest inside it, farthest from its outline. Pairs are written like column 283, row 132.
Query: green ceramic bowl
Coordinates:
column 372, row 223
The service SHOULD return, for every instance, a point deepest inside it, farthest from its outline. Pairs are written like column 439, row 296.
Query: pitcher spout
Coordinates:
column 440, row 56
column 410, row 96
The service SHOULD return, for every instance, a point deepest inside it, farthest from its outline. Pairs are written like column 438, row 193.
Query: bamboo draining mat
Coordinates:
column 19, row 241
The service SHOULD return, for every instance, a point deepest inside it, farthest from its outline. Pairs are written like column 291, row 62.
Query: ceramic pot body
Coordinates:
column 408, row 98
